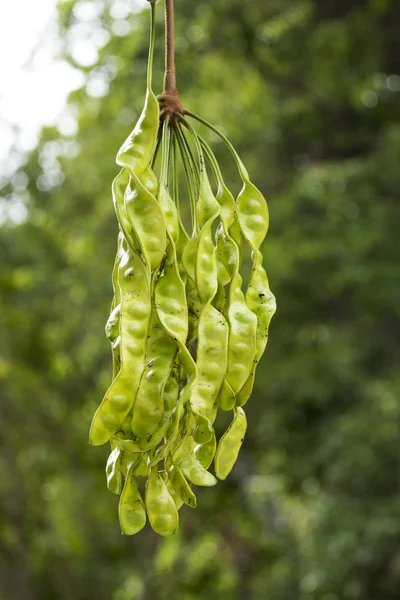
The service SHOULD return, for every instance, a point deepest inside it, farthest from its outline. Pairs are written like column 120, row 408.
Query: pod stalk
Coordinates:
column 169, row 100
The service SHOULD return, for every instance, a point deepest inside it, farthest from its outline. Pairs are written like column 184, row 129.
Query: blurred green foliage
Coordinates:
column 308, row 91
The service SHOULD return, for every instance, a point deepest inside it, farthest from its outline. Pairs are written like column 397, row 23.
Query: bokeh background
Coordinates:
column 308, row 91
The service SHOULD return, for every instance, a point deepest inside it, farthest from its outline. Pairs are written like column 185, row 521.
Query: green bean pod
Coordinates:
column 131, row 509
column 147, row 221
column 112, row 328
column 118, row 189
column 137, row 151
column 241, row 345
column 170, row 396
column 212, row 360
column 261, row 302
column 148, row 409
column 230, row 444
column 135, row 318
column 194, row 472
column 170, row 300
column 160, row 506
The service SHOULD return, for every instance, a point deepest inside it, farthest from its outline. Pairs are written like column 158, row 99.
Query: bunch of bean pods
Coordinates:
column 186, row 338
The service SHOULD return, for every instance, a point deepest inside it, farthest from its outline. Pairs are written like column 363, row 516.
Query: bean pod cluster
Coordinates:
column 186, row 336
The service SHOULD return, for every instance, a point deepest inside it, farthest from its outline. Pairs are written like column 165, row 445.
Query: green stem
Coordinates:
column 170, row 175
column 213, row 161
column 189, row 175
column 151, row 46
column 166, row 137
column 193, row 162
column 196, row 141
column 159, row 137
column 175, row 173
column 242, row 169
column 175, row 179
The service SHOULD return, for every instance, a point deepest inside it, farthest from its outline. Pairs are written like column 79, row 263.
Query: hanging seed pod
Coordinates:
column 186, row 337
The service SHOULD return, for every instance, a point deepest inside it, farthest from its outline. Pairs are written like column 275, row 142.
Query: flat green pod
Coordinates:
column 229, row 445
column 112, row 328
column 261, row 301
column 253, row 215
column 149, row 180
column 160, row 506
column 170, row 300
column 147, row 221
column 131, row 509
column 134, row 324
column 206, row 274
column 136, row 152
column 118, row 189
column 148, row 408
column 177, row 431
column 242, row 337
column 211, row 360
column 194, row 472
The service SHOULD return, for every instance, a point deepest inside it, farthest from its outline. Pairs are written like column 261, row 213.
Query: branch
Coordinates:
column 169, row 99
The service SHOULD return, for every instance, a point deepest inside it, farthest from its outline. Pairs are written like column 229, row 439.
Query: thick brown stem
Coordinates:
column 170, row 101
column 170, row 71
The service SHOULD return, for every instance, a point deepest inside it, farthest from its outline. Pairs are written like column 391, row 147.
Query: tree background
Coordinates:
column 308, row 91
